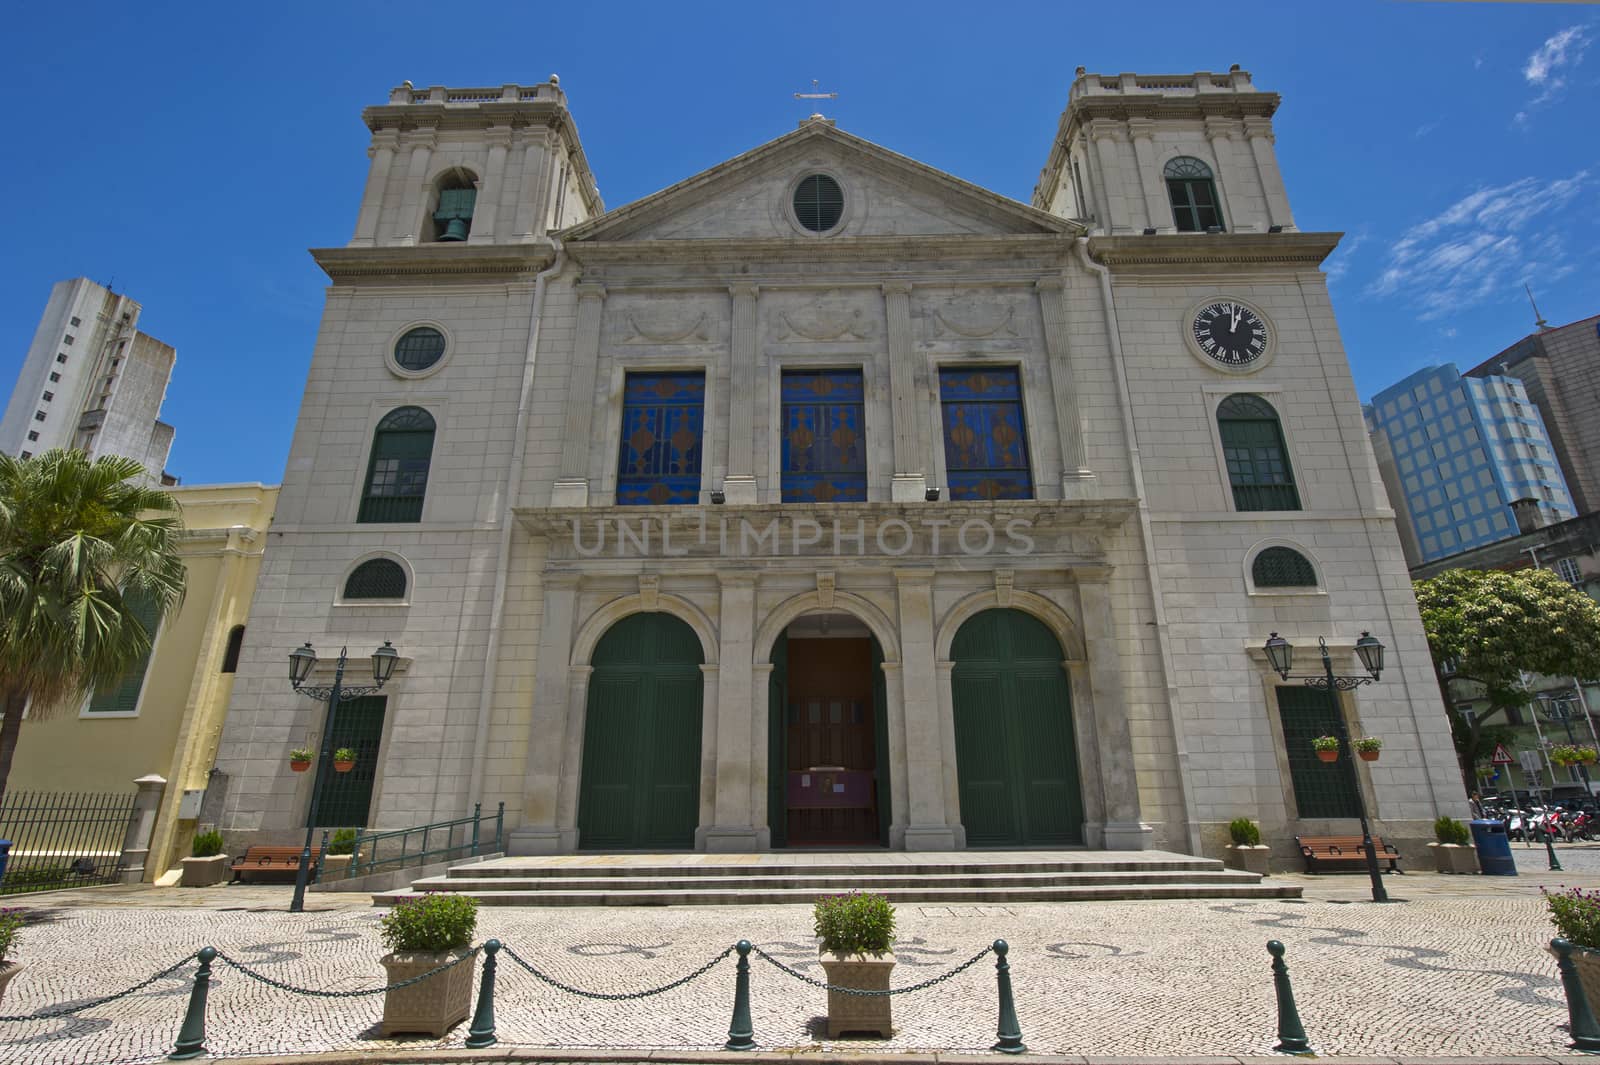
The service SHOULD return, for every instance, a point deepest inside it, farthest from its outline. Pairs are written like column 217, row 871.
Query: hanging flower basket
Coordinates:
column 299, row 759
column 344, row 760
column 1328, row 756
column 1588, row 755
column 1368, row 747
column 1327, row 748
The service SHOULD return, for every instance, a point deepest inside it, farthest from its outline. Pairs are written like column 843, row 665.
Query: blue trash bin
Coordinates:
column 1494, row 848
column 5, row 856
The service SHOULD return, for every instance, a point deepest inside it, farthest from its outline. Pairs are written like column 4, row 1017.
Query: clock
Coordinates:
column 1229, row 334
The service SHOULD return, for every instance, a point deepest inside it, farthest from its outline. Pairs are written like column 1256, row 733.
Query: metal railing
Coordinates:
column 464, row 837
column 63, row 839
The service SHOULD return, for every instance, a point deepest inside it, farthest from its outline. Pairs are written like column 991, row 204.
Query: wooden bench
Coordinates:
column 1344, row 851
column 263, row 861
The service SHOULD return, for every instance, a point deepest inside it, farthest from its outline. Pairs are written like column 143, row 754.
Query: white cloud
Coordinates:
column 1423, row 130
column 1487, row 242
column 1547, row 68
column 1338, row 264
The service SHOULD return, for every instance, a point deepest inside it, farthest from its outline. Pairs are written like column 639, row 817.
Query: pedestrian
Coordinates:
column 1476, row 802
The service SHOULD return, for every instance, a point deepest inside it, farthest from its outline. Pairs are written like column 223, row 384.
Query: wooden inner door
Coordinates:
column 830, row 755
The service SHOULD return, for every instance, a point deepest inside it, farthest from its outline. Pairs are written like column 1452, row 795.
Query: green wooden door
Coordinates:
column 640, row 784
column 346, row 798
column 1321, row 789
column 1016, row 755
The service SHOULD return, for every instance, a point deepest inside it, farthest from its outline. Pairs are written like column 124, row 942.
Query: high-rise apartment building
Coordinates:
column 91, row 380
column 1468, row 458
column 1560, row 368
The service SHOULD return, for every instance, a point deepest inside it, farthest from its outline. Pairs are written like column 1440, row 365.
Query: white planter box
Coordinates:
column 434, row 1006
column 1454, row 858
column 1249, row 859
column 204, row 872
column 858, row 1013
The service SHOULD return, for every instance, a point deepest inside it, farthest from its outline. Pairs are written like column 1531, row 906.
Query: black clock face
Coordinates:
column 1230, row 333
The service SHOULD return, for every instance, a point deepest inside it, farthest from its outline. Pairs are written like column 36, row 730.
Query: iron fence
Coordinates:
column 63, row 839
column 464, row 837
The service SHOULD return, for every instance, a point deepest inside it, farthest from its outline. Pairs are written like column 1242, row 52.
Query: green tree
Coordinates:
column 80, row 544
column 1492, row 627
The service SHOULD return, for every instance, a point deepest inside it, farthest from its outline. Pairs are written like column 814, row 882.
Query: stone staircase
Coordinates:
column 965, row 877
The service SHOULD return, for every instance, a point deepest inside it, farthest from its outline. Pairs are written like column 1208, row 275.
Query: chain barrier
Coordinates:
column 140, row 986
column 814, row 982
column 623, row 996
column 313, row 992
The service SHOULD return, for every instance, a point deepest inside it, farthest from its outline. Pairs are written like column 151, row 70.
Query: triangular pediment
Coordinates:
column 885, row 195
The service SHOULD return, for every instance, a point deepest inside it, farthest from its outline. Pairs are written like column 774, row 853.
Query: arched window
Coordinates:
column 397, row 476
column 1282, row 567
column 376, row 578
column 458, row 195
column 1193, row 194
column 1258, row 461
column 230, row 657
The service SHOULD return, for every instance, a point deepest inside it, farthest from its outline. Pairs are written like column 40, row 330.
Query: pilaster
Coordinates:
column 571, row 488
column 1219, row 132
column 535, row 180
column 910, row 481
column 739, row 484
column 1122, row 827
column 1157, row 210
column 1077, row 480
column 927, row 824
column 486, row 209
column 403, row 227
column 384, row 145
column 734, row 828
column 1259, row 132
column 1106, row 134
column 554, row 677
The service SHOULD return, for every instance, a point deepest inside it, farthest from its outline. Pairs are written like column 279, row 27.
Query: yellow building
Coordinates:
column 166, row 718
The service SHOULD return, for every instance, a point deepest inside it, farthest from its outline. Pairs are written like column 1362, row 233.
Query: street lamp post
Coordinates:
column 1280, row 654
column 302, row 660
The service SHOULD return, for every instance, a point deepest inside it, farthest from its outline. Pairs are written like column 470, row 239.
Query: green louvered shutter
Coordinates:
column 123, row 698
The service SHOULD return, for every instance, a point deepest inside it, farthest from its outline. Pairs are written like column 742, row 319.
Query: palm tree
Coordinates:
column 84, row 551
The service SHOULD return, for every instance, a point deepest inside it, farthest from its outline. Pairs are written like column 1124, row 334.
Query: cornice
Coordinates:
column 514, row 113
column 475, row 261
column 1202, row 105
column 1183, row 250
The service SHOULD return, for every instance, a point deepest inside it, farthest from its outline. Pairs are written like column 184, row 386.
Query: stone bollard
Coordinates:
column 1008, row 1031
column 1291, row 1033
column 481, row 1034
column 192, row 1036
column 1581, row 1024
column 741, row 1034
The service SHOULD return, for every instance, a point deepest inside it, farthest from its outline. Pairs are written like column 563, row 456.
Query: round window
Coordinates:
column 818, row 203
column 419, row 348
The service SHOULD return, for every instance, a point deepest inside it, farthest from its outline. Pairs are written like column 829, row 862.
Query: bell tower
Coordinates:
column 473, row 166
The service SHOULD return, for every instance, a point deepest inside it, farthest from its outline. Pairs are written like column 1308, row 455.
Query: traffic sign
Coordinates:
column 1501, row 756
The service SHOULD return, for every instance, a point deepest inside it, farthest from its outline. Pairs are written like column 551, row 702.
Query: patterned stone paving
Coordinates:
column 1457, row 969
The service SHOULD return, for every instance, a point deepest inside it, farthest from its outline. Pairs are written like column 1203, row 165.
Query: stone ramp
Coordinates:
column 964, row 877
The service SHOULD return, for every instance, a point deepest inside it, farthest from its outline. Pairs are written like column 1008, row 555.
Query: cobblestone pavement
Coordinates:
column 1456, row 969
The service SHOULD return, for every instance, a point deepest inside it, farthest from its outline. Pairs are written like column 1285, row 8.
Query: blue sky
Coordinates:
column 192, row 153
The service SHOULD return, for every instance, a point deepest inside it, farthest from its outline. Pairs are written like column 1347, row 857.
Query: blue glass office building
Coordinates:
column 1465, row 449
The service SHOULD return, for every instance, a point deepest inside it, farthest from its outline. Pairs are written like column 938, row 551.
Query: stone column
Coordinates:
column 486, row 208
column 141, row 824
column 1259, row 132
column 1077, row 480
column 553, row 676
column 1119, row 782
column 1104, row 134
column 910, row 454
column 760, row 763
column 947, row 740
column 571, row 488
column 895, row 756
column 739, row 483
column 927, row 827
column 735, row 827
column 534, row 180
column 403, row 227
column 1157, row 209
column 1219, row 131
column 384, row 143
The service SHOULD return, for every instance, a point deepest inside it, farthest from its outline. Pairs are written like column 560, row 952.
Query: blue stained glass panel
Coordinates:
column 663, row 422
column 985, row 438
column 824, row 437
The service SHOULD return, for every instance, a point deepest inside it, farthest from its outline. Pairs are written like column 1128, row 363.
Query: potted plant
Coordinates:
column 1367, row 747
column 344, row 759
column 207, row 865
column 1327, row 748
column 850, row 928
column 300, row 759
column 423, row 933
column 1452, row 853
column 336, row 859
column 1577, row 920
column 1564, row 754
column 10, row 923
column 1246, row 851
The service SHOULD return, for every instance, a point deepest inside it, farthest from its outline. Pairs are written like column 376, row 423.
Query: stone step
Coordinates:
column 525, row 867
column 867, row 881
column 931, row 895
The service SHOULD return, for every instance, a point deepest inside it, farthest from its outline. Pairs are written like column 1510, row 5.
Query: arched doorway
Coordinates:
column 827, row 736
column 1016, row 755
column 640, row 783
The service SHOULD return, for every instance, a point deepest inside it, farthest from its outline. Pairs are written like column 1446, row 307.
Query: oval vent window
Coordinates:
column 818, row 203
column 419, row 349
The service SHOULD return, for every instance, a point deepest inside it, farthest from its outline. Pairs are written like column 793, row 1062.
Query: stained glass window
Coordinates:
column 1258, row 462
column 663, row 417
column 985, row 439
column 397, row 477
column 1193, row 194
column 824, row 437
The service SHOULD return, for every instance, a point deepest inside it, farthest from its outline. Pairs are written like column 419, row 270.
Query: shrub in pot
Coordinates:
column 336, row 859
column 856, row 932
column 1576, row 916
column 206, row 864
column 1247, row 853
column 10, row 924
column 423, row 933
column 1452, row 852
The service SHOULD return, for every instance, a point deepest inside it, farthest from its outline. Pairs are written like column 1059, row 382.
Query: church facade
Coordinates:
column 824, row 499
